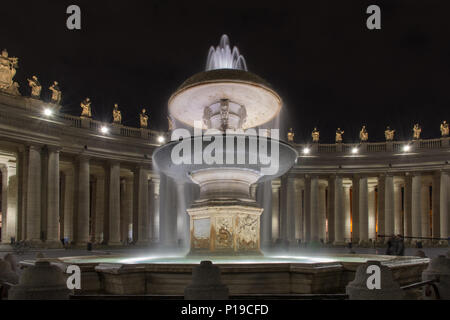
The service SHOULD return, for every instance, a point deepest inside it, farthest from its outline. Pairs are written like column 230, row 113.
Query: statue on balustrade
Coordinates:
column 290, row 135
column 35, row 87
column 389, row 134
column 56, row 92
column 363, row 134
column 417, row 130
column 117, row 115
column 143, row 119
column 444, row 129
column 339, row 134
column 8, row 67
column 315, row 135
column 86, row 108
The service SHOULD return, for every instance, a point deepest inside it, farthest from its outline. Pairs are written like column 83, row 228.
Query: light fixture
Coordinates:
column 48, row 112
column 161, row 139
column 354, row 150
column 104, row 129
column 306, row 151
column 406, row 148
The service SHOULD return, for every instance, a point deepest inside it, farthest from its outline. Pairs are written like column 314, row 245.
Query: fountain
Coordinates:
column 223, row 106
column 217, row 143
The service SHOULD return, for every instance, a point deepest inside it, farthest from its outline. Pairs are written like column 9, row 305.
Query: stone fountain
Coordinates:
column 223, row 107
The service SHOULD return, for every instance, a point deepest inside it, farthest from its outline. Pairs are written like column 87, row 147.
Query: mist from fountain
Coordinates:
column 223, row 57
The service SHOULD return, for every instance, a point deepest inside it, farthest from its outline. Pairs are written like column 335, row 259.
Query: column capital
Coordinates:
column 83, row 157
column 51, row 148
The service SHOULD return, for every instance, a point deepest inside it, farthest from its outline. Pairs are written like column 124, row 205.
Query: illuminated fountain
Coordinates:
column 223, row 107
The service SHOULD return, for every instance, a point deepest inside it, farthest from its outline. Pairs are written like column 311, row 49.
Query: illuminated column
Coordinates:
column 407, row 200
column 322, row 213
column 276, row 185
column 331, row 207
column 154, row 197
column 33, row 218
column 112, row 229
column 314, row 209
column 307, row 210
column 9, row 202
column 67, row 198
column 53, row 198
column 363, row 210
column 347, row 221
column 99, row 209
column 83, row 203
column 371, row 212
column 126, row 208
column 398, row 229
column 381, row 207
column 356, row 201
column 435, row 219
column 425, row 205
column 416, row 216
column 389, row 218
column 292, row 207
column 140, row 206
column 339, row 213
column 444, row 205
column 298, row 210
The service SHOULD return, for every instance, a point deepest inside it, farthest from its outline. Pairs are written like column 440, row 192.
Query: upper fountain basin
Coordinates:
column 261, row 102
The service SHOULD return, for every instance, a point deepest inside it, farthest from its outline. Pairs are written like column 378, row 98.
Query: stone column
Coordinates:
column 444, row 205
column 436, row 192
column 298, row 211
column 100, row 202
column 398, row 223
column 425, row 205
column 371, row 212
column 140, row 206
column 53, row 199
column 314, row 209
column 339, row 212
column 363, row 210
column 407, row 200
column 168, row 216
column 416, row 216
column 292, row 207
column 156, row 211
column 276, row 185
column 389, row 218
column 68, row 201
column 355, row 208
column 381, row 229
column 322, row 213
column 331, row 208
column 264, row 199
column 126, row 209
column 9, row 202
column 112, row 226
column 33, row 218
column 183, row 220
column 347, row 218
column 307, row 210
column 83, row 201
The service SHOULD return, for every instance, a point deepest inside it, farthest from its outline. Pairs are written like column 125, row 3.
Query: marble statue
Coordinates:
column 143, row 117
column 444, row 129
column 315, row 135
column 8, row 67
column 339, row 134
column 290, row 135
column 117, row 115
column 35, row 87
column 224, row 113
column 389, row 134
column 56, row 93
column 363, row 134
column 86, row 108
column 417, row 130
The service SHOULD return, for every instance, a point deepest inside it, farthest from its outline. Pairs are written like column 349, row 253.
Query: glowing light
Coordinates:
column 306, row 151
column 104, row 129
column 161, row 139
column 48, row 112
column 355, row 150
column 406, row 148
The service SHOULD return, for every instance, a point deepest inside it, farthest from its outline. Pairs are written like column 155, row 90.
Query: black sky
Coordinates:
column 330, row 70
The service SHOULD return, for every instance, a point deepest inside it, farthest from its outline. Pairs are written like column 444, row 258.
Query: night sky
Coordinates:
column 330, row 70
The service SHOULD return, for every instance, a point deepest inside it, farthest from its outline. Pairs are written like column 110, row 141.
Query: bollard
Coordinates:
column 7, row 273
column 206, row 284
column 388, row 289
column 439, row 268
column 40, row 282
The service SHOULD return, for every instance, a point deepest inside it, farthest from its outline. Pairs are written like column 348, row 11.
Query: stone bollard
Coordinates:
column 7, row 274
column 12, row 261
column 439, row 268
column 206, row 284
column 40, row 282
column 358, row 289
